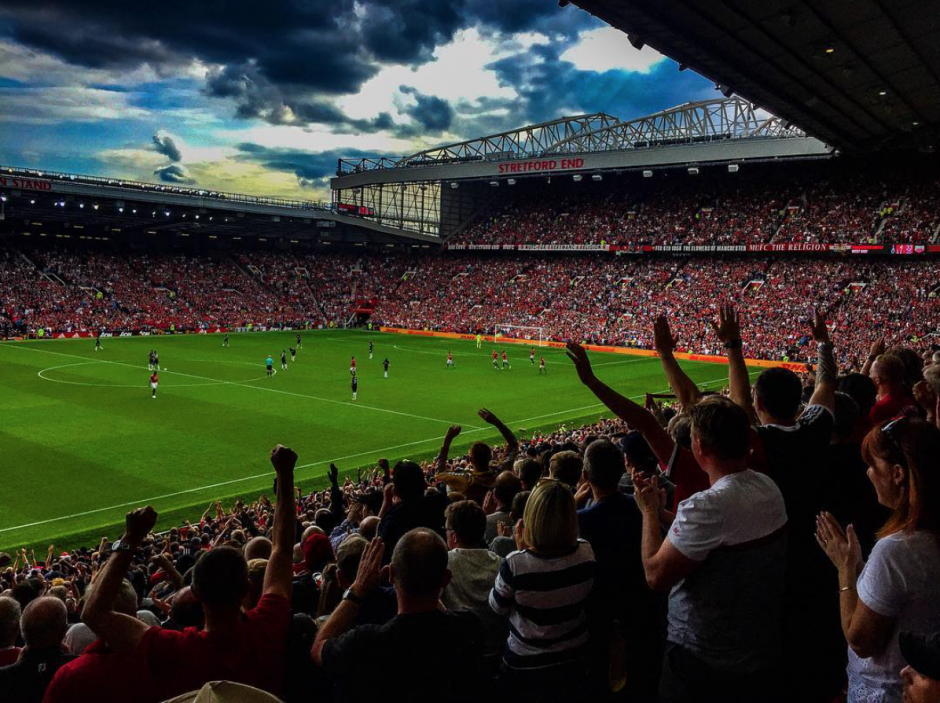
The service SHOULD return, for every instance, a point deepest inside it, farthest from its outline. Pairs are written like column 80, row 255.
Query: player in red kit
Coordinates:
column 532, row 356
column 542, row 368
column 450, row 360
column 495, row 360
column 154, row 380
column 506, row 360
column 352, row 366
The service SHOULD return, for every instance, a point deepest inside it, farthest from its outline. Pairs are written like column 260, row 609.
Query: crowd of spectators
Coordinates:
column 769, row 542
column 828, row 204
column 571, row 298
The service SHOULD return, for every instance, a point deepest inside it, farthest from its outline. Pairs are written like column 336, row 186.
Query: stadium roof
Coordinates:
column 858, row 74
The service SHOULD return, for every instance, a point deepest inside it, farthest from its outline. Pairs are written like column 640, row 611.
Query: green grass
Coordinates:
column 82, row 442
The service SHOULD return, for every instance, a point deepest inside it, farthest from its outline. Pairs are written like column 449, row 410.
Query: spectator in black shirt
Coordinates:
column 424, row 653
column 847, row 492
column 624, row 610
column 791, row 447
column 405, row 506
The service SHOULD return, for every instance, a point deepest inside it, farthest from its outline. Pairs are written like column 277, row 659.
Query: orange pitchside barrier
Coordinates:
column 593, row 347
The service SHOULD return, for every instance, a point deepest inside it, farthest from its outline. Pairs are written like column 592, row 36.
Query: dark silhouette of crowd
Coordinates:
column 774, row 541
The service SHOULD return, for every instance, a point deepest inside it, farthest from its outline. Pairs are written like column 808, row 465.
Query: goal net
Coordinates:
column 534, row 334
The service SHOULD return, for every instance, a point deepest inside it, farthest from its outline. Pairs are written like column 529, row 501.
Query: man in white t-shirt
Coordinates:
column 723, row 561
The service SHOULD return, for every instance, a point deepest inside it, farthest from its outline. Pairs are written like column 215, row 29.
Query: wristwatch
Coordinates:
column 120, row 546
column 351, row 595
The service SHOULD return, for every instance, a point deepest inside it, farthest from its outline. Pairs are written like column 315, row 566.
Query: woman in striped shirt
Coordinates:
column 543, row 589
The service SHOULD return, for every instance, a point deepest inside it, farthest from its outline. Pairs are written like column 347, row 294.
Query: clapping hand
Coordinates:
column 648, row 495
column 841, row 546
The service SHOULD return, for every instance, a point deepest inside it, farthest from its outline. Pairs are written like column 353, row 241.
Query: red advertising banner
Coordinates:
column 24, row 183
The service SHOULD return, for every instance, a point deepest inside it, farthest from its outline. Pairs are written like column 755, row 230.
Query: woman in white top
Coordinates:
column 899, row 587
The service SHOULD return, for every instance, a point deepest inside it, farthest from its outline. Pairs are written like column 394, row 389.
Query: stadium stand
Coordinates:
column 818, row 203
column 572, row 298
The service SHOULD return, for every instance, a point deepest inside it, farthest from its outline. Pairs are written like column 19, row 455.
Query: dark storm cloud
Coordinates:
column 286, row 61
column 431, row 113
column 548, row 85
column 313, row 170
column 163, row 144
column 174, row 173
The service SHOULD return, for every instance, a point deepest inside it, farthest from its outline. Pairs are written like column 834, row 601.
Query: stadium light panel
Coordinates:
column 95, row 206
column 733, row 168
column 577, row 178
column 120, row 209
column 454, row 186
column 647, row 174
column 511, row 181
column 32, row 202
column 3, row 198
column 693, row 170
column 494, row 183
column 597, row 177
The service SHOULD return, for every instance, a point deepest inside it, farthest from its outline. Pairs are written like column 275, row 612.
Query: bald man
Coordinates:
column 9, row 630
column 258, row 548
column 412, row 656
column 369, row 527
column 43, row 624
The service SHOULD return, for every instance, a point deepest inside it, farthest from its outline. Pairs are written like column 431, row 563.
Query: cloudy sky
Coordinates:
column 263, row 97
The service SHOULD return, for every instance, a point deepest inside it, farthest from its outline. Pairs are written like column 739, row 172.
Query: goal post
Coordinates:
column 532, row 334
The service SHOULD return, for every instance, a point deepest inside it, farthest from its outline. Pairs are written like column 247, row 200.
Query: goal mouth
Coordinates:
column 535, row 335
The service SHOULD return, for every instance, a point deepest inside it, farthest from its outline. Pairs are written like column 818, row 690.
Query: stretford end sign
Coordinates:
column 541, row 165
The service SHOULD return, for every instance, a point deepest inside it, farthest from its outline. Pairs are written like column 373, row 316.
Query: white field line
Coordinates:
column 245, row 385
column 146, row 501
column 555, row 354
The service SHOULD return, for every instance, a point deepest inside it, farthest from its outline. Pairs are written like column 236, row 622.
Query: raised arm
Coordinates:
column 278, row 574
column 440, row 465
column 687, row 393
column 117, row 629
column 638, row 417
column 827, row 373
column 877, row 349
column 728, row 329
column 343, row 618
column 512, row 445
column 337, row 501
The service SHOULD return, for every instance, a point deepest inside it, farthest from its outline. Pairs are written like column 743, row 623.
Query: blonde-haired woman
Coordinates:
column 543, row 589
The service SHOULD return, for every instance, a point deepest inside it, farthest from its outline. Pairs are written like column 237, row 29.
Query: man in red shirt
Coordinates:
column 887, row 373
column 245, row 647
column 101, row 673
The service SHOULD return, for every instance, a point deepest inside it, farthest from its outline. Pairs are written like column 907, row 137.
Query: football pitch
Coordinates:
column 82, row 441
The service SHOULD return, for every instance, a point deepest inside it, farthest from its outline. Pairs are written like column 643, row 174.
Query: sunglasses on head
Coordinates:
column 893, row 432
